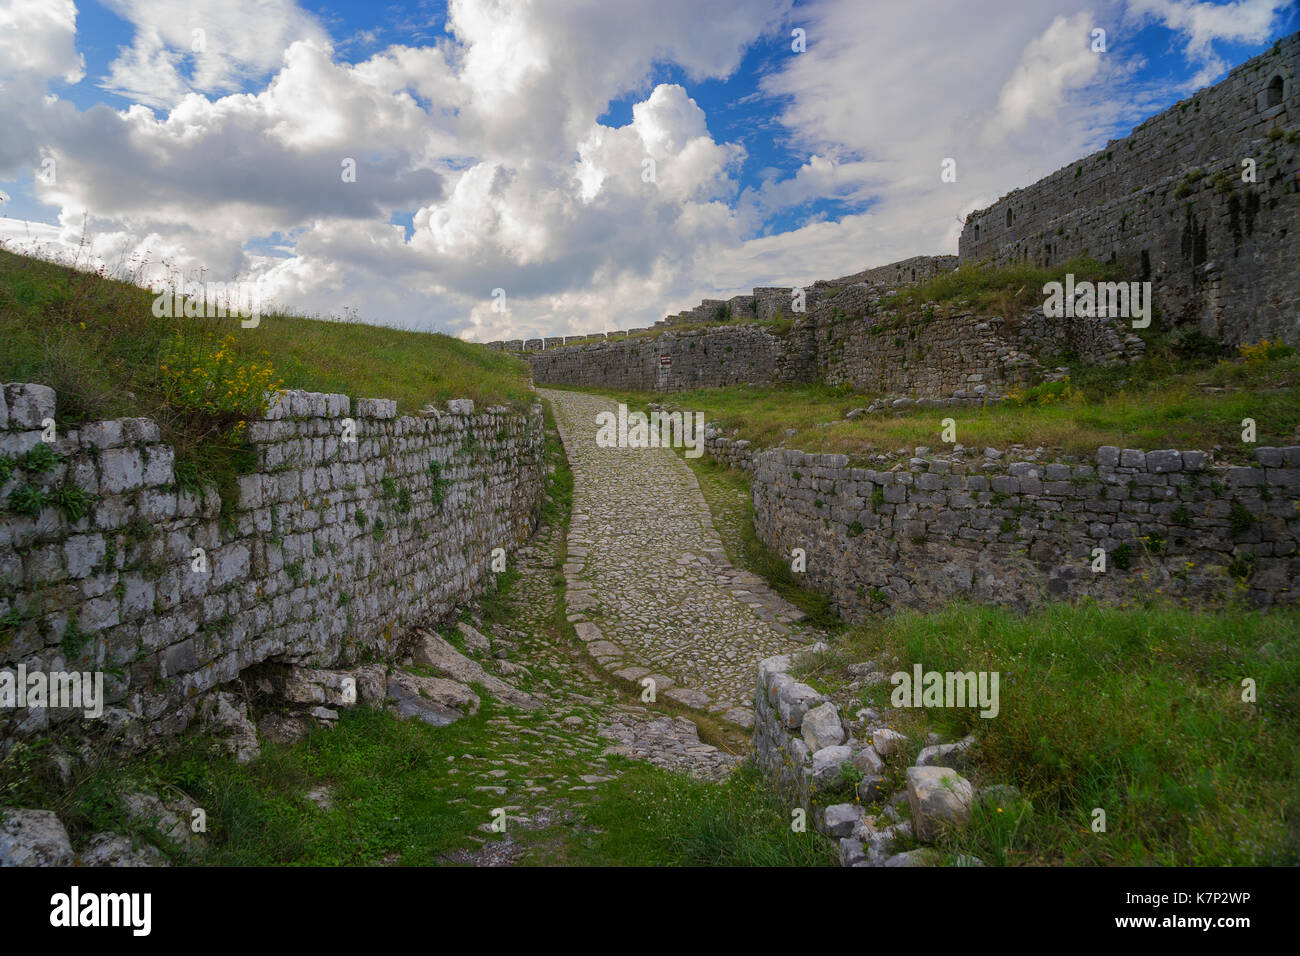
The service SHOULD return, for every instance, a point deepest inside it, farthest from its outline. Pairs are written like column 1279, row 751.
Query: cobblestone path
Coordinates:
column 650, row 588
column 542, row 766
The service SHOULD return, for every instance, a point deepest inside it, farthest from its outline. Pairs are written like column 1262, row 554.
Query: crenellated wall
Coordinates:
column 330, row 548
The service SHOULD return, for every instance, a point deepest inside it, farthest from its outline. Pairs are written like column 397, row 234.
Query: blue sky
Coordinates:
column 501, row 145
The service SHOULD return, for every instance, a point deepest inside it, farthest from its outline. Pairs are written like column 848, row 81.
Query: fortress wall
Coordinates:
column 331, row 547
column 1169, row 202
column 673, row 361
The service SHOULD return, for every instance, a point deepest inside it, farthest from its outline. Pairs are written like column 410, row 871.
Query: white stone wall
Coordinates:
column 1016, row 533
column 331, row 548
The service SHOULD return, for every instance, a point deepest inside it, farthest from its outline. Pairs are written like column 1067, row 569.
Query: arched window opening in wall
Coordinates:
column 977, row 232
column 1274, row 96
column 1009, row 218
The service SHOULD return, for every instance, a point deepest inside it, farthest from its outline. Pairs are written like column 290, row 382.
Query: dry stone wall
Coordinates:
column 1169, row 201
column 1014, row 533
column 330, row 548
column 804, row 741
column 707, row 358
column 947, row 352
column 847, row 335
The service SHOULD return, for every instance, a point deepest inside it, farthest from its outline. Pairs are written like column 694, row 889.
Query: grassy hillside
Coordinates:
column 97, row 343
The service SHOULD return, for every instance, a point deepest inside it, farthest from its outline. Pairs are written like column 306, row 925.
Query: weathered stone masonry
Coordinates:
column 334, row 547
column 670, row 362
column 1169, row 202
column 931, row 357
column 847, row 336
column 1016, row 533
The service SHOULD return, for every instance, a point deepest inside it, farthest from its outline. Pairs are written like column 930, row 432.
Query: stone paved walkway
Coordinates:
column 542, row 766
column 650, row 588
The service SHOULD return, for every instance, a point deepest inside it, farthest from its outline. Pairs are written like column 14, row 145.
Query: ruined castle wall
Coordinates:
column 904, row 272
column 922, row 358
column 1169, row 202
column 843, row 337
column 329, row 550
column 942, row 353
column 705, row 358
column 1172, row 523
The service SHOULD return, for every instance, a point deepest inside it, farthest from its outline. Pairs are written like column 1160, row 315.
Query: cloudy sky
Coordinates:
column 603, row 162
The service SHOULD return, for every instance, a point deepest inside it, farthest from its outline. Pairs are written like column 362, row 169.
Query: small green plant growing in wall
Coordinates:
column 1241, row 567
column 27, row 500
column 1122, row 557
column 41, row 458
column 72, row 501
column 74, row 639
column 1193, row 177
column 438, row 485
column 1240, row 520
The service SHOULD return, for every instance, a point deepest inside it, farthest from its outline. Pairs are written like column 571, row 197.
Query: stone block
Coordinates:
column 28, row 405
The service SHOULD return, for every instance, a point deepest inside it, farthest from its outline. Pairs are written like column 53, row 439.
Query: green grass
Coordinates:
column 656, row 818
column 558, row 504
column 1136, row 711
column 1156, row 404
column 1004, row 290
column 395, row 793
column 396, row 798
